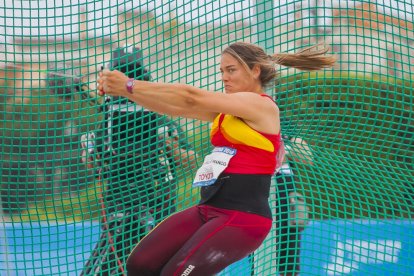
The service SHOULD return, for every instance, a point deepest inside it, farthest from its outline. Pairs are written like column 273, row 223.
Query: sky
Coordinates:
column 59, row 17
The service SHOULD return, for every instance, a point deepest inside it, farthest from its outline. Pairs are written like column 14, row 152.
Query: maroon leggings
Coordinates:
column 201, row 240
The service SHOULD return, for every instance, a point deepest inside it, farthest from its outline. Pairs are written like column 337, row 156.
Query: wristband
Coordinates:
column 130, row 85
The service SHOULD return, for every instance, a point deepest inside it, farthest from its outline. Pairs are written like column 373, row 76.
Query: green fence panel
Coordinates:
column 350, row 131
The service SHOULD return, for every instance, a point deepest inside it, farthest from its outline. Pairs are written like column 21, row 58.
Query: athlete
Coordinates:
column 233, row 216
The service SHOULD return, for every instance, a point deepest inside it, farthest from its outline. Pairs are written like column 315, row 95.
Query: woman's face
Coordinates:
column 235, row 77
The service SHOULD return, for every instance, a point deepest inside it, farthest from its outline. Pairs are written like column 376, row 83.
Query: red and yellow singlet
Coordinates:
column 256, row 151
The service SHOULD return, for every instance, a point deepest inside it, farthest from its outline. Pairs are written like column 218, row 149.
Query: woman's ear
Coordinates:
column 256, row 71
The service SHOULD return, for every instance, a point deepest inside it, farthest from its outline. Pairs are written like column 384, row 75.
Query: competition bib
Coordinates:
column 214, row 164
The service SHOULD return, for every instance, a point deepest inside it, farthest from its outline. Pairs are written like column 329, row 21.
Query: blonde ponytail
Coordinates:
column 308, row 59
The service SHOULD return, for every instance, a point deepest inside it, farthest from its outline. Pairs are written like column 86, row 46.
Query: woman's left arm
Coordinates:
column 191, row 102
column 164, row 98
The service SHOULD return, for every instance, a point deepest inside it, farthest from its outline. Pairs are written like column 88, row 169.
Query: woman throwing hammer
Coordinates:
column 233, row 216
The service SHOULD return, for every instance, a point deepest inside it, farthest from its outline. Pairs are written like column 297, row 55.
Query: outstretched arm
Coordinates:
column 164, row 98
column 188, row 101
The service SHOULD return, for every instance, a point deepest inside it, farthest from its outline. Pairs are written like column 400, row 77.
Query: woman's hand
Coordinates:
column 112, row 83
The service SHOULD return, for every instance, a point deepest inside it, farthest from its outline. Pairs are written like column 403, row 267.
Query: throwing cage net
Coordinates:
column 84, row 178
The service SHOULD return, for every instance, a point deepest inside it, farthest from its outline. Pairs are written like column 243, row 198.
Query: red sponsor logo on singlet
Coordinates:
column 205, row 176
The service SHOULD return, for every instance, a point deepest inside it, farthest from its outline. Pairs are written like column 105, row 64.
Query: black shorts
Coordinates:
column 287, row 236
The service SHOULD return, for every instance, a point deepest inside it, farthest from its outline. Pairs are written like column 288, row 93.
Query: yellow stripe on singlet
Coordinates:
column 238, row 132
